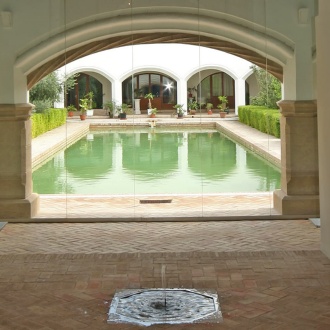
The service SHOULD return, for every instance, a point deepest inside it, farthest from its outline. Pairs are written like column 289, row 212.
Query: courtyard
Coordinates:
column 63, row 274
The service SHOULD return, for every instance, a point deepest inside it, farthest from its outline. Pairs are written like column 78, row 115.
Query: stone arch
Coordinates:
column 251, row 43
column 107, row 80
column 212, row 67
column 157, row 69
column 90, row 70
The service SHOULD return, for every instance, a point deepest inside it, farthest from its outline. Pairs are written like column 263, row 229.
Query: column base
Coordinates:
column 19, row 208
column 304, row 205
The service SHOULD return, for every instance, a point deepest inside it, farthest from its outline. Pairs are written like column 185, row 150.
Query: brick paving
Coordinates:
column 268, row 274
column 159, row 237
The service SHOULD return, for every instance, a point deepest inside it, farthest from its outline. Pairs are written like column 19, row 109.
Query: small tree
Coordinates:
column 269, row 89
column 47, row 89
column 70, row 82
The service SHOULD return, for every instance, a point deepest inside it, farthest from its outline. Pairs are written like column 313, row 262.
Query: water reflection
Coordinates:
column 151, row 161
column 150, row 154
column 90, row 157
column 211, row 155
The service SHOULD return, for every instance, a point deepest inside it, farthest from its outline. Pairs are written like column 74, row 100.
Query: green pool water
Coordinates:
column 155, row 161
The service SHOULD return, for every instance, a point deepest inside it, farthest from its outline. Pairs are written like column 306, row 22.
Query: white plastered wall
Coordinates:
column 181, row 62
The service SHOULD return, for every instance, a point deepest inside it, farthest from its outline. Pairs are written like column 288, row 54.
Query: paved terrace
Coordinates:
column 269, row 274
column 128, row 208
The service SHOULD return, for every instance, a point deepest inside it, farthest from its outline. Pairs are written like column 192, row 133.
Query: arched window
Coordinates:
column 85, row 84
column 215, row 85
column 163, row 88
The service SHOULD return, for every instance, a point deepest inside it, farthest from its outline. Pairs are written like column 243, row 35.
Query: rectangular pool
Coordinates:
column 155, row 161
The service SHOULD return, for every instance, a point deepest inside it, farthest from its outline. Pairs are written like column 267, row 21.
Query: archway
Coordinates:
column 85, row 83
column 243, row 31
column 161, row 86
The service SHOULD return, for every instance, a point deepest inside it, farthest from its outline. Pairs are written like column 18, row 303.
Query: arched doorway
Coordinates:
column 85, row 83
column 214, row 85
column 163, row 87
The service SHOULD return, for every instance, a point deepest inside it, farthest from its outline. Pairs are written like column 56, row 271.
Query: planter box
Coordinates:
column 90, row 113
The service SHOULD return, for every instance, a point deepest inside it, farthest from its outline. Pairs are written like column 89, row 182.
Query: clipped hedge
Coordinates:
column 261, row 118
column 48, row 120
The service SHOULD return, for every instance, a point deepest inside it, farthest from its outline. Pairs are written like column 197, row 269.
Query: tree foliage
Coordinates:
column 69, row 82
column 48, row 90
column 269, row 89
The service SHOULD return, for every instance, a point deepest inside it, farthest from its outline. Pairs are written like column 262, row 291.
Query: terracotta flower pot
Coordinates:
column 83, row 116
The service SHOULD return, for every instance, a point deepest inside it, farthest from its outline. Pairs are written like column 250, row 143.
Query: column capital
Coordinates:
column 14, row 112
column 298, row 108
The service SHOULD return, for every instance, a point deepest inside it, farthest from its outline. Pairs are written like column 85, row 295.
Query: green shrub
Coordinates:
column 48, row 120
column 41, row 106
column 261, row 118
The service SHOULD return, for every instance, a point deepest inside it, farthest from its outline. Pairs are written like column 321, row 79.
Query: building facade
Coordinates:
column 173, row 73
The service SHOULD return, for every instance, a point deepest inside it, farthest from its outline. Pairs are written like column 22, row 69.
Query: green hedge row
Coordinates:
column 263, row 119
column 48, row 120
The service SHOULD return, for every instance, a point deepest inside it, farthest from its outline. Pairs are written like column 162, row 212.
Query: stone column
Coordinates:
column 16, row 198
column 299, row 193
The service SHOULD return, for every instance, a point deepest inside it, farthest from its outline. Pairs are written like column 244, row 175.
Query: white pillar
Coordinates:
column 117, row 92
column 182, row 94
column 298, row 77
column 137, row 106
column 239, row 93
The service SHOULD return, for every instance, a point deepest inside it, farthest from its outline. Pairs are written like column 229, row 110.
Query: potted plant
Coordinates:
column 124, row 110
column 221, row 112
column 83, row 108
column 153, row 112
column 89, row 96
column 138, row 93
column 223, row 101
column 150, row 97
column 193, row 107
column 71, row 108
column 179, row 110
column 110, row 107
column 209, row 107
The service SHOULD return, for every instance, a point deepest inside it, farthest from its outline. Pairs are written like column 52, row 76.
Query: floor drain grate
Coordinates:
column 155, row 201
column 164, row 306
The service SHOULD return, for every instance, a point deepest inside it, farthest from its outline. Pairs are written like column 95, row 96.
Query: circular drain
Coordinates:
column 158, row 306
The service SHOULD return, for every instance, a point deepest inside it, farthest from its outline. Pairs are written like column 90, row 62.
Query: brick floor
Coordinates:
column 268, row 274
